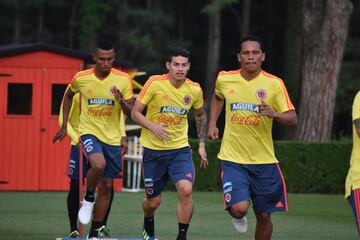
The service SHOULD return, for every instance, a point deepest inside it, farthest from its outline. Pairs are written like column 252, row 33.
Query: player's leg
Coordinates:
column 182, row 173
column 236, row 191
column 268, row 198
column 73, row 195
column 112, row 155
column 154, row 170
column 94, row 152
column 354, row 201
column 110, row 203
column 101, row 209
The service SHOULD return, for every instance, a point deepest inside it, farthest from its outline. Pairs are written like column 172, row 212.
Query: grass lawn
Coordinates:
column 42, row 215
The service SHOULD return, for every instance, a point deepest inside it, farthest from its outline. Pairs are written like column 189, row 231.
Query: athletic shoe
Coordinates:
column 85, row 212
column 240, row 224
column 92, row 238
column 146, row 236
column 74, row 234
column 103, row 232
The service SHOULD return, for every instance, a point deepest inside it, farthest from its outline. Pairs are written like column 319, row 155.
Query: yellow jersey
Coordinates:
column 169, row 105
column 353, row 176
column 101, row 114
column 247, row 137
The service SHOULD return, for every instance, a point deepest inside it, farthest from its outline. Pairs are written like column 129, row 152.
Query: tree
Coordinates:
column 325, row 28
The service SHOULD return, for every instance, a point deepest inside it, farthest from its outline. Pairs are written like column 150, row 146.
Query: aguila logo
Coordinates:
column 112, row 90
column 187, row 99
column 261, row 94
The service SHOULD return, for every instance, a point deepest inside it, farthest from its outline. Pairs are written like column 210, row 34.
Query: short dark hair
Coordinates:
column 178, row 51
column 252, row 38
column 104, row 45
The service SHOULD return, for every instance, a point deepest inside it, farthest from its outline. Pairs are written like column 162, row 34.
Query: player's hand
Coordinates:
column 266, row 110
column 213, row 132
column 202, row 153
column 118, row 95
column 59, row 135
column 160, row 131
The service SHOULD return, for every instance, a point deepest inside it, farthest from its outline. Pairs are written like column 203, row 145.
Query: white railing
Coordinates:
column 133, row 160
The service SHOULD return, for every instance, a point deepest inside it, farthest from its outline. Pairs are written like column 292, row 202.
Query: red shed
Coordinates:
column 33, row 78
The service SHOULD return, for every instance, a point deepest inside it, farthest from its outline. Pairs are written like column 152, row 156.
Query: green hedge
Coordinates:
column 307, row 167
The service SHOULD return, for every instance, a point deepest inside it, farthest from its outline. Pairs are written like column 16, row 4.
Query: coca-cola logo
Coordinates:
column 169, row 120
column 249, row 120
column 100, row 111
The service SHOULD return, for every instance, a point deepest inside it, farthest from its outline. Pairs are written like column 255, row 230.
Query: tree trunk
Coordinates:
column 325, row 26
column 246, row 17
column 17, row 23
column 72, row 24
column 213, row 49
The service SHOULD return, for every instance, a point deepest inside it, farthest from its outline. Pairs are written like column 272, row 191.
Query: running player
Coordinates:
column 168, row 99
column 250, row 170
column 105, row 94
column 352, row 184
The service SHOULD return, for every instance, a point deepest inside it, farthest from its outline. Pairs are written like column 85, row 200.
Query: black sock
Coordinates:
column 73, row 204
column 90, row 195
column 94, row 226
column 182, row 231
column 108, row 211
column 149, row 225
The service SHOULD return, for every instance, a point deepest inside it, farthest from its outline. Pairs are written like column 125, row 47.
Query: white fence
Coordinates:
column 133, row 160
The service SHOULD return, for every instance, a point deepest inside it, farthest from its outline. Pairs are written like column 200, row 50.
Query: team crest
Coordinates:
column 112, row 90
column 261, row 94
column 187, row 99
column 89, row 149
column 227, row 197
column 149, row 191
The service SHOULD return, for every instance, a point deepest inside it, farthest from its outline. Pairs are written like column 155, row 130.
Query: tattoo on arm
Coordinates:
column 201, row 126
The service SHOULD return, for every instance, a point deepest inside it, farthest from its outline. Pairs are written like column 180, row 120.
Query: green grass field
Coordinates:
column 42, row 215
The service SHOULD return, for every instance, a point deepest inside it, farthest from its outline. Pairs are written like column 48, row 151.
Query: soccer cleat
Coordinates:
column 74, row 234
column 146, row 236
column 85, row 212
column 103, row 232
column 240, row 224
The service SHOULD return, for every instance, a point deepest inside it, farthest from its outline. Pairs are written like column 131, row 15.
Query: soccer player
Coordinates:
column 352, row 184
column 73, row 170
column 168, row 99
column 105, row 94
column 250, row 170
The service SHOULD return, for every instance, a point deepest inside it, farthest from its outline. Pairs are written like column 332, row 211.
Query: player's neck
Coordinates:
column 101, row 75
column 176, row 83
column 250, row 75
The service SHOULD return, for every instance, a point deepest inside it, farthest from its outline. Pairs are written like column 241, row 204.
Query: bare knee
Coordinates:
column 152, row 203
column 184, row 189
column 239, row 210
column 263, row 218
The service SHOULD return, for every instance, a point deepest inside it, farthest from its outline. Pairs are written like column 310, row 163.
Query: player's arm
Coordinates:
column 126, row 105
column 138, row 116
column 357, row 126
column 200, row 118
column 215, row 110
column 67, row 101
column 288, row 118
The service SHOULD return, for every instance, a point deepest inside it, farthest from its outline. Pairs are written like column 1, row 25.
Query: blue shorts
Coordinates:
column 262, row 183
column 73, row 170
column 354, row 201
column 159, row 165
column 112, row 154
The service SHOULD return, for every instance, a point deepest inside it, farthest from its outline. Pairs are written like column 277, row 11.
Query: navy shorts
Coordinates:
column 73, row 170
column 160, row 165
column 112, row 154
column 263, row 184
column 354, row 201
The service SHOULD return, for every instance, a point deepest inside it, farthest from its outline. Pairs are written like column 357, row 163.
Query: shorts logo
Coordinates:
column 227, row 187
column 189, row 175
column 227, row 197
column 70, row 171
column 187, row 99
column 149, row 191
column 148, row 182
column 261, row 94
column 112, row 90
column 89, row 148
